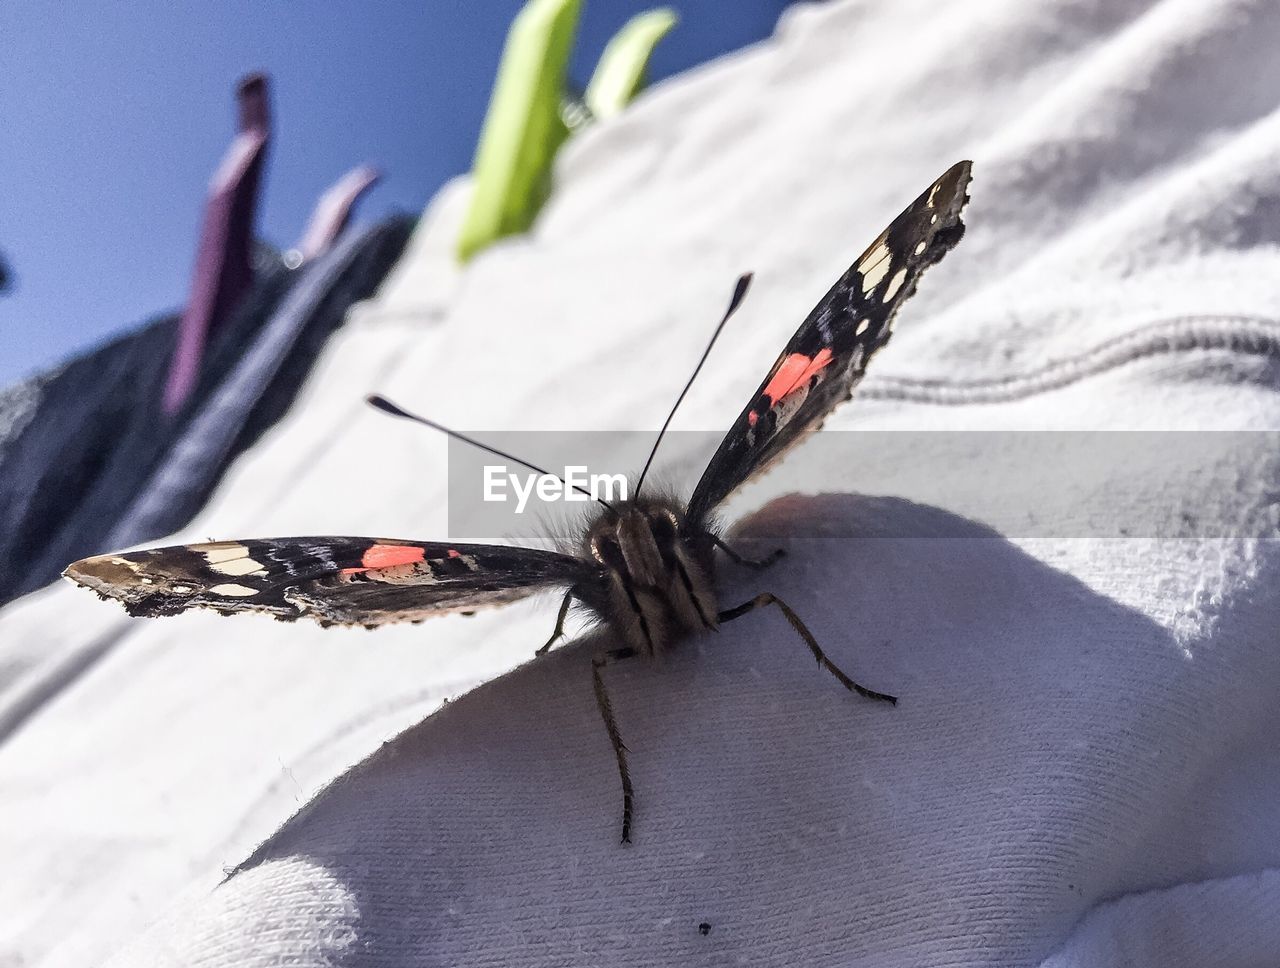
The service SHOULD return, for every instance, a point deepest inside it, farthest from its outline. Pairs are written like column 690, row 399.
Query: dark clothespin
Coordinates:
column 333, row 212
column 224, row 269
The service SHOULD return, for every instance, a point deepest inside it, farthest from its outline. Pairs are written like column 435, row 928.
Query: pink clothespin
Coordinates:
column 223, row 270
column 333, row 211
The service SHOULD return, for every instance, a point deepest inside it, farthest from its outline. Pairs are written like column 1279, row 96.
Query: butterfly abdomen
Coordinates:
column 656, row 582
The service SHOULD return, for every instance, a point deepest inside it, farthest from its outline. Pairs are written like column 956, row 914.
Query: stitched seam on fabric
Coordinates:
column 1258, row 336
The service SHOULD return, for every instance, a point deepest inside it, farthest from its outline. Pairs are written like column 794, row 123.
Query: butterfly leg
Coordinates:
column 756, row 563
column 615, row 737
column 760, row 601
column 559, row 630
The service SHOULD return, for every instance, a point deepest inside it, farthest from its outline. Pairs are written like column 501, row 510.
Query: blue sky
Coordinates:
column 113, row 116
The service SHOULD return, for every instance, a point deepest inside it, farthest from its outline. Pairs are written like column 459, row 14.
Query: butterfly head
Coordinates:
column 655, row 573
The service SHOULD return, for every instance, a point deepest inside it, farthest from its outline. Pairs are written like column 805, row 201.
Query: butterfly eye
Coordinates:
column 608, row 552
column 664, row 526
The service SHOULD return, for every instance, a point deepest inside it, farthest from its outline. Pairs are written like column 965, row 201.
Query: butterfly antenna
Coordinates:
column 739, row 292
column 386, row 406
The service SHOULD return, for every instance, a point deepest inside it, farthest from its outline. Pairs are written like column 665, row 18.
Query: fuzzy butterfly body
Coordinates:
column 644, row 566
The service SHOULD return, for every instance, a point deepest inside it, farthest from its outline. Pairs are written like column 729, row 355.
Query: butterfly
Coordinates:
column 644, row 566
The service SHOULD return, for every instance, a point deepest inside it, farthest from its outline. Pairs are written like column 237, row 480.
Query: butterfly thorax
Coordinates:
column 656, row 579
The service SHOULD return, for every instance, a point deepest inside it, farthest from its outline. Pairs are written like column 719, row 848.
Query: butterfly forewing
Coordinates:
column 828, row 355
column 334, row 580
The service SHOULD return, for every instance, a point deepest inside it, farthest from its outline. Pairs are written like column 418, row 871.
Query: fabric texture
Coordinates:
column 1082, row 767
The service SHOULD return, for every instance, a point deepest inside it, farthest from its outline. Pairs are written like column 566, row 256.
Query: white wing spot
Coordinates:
column 232, row 590
column 863, row 324
column 920, row 247
column 222, row 550
column 895, row 284
column 874, row 267
column 238, row 566
column 230, row 558
column 217, row 551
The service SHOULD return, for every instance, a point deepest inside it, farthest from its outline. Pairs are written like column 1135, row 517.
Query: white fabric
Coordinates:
column 1083, row 767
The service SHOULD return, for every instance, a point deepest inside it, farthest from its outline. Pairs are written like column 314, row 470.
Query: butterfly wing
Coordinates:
column 828, row 355
column 344, row 581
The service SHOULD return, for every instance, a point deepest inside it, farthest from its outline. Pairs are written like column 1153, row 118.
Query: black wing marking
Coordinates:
column 344, row 581
column 828, row 355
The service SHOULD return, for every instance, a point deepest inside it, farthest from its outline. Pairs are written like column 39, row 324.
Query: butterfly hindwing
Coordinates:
column 828, row 355
column 345, row 581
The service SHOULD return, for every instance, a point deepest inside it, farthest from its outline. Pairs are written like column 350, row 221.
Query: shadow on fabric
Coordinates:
column 1042, row 757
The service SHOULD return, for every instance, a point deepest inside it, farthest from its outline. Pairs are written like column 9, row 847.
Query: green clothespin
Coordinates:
column 620, row 72
column 524, row 127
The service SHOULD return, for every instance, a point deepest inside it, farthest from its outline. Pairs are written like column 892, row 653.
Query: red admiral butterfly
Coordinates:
column 645, row 566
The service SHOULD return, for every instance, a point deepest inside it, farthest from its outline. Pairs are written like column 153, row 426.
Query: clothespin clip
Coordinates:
column 332, row 214
column 530, row 115
column 620, row 73
column 223, row 270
